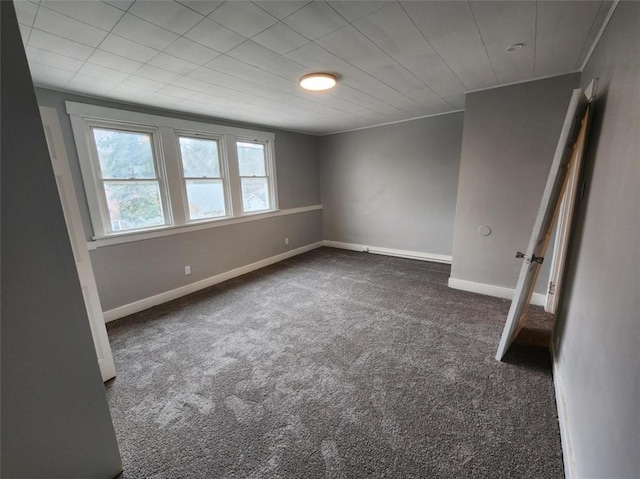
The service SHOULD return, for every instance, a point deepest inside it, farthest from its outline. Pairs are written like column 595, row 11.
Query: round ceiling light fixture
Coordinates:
column 515, row 46
column 318, row 81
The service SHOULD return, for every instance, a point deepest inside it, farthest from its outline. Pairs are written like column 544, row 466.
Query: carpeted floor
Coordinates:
column 332, row 364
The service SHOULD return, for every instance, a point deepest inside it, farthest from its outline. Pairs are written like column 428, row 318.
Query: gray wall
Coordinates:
column 509, row 138
column 130, row 272
column 598, row 328
column 55, row 418
column 393, row 186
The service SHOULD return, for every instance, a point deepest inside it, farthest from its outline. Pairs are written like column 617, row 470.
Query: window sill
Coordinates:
column 128, row 237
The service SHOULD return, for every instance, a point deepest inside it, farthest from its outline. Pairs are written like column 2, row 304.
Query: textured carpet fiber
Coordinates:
column 332, row 364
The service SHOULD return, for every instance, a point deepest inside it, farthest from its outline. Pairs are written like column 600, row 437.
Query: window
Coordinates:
column 203, row 180
column 147, row 172
column 131, row 188
column 253, row 176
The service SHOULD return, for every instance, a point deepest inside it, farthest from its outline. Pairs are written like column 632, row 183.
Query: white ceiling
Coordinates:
column 241, row 60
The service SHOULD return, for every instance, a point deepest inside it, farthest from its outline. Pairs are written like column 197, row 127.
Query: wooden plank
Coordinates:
column 565, row 218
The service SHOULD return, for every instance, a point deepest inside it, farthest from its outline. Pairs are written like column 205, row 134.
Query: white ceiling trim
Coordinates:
column 391, row 123
column 520, row 82
column 600, row 32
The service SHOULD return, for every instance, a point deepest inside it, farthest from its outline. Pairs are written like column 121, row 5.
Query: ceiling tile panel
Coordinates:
column 49, row 76
column 358, row 97
column 143, row 83
column 394, row 33
column 115, row 62
column 451, row 30
column 86, row 84
column 191, row 51
column 280, row 38
column 154, row 73
column 26, row 12
column 354, row 10
column 129, row 93
column 120, row 4
column 170, row 15
column 65, row 27
column 356, row 49
column 141, row 31
column 25, row 33
column 315, row 20
column 244, row 18
column 51, row 59
column 238, row 69
column 98, row 14
column 191, row 84
column 172, row 64
column 501, row 25
column 128, row 49
column 176, row 92
column 286, row 68
column 215, row 36
column 205, row 7
column 252, row 53
column 281, row 8
column 96, row 71
column 53, row 43
column 206, row 75
column 561, row 34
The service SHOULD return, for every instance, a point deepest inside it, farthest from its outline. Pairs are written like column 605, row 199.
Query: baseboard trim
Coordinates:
column 537, row 299
column 146, row 303
column 400, row 253
column 563, row 419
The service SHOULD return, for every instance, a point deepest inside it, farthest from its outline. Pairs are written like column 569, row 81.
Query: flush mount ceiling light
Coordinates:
column 318, row 81
column 515, row 46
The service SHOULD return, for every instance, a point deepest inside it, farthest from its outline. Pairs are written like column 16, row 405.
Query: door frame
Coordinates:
column 75, row 228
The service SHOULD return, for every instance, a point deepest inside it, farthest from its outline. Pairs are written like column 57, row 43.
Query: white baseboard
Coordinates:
column 537, row 299
column 563, row 420
column 400, row 253
column 147, row 303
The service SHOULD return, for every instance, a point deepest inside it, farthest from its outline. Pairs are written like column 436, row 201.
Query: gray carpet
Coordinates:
column 332, row 364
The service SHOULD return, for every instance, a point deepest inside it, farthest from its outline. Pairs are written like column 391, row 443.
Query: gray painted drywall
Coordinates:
column 598, row 327
column 131, row 272
column 393, row 186
column 508, row 141
column 55, row 417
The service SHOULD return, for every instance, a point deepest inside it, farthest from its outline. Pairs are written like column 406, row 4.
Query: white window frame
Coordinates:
column 168, row 163
column 270, row 174
column 224, row 173
column 104, row 225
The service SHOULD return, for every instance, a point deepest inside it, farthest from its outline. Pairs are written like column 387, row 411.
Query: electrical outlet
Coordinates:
column 286, row 241
column 187, row 270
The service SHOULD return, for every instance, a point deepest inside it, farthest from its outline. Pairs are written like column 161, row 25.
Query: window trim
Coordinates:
column 161, row 175
column 267, row 169
column 84, row 116
column 224, row 174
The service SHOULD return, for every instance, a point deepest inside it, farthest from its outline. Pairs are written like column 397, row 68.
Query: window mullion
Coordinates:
column 233, row 175
column 173, row 168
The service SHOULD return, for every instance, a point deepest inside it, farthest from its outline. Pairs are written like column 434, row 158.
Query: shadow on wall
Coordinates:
column 577, row 229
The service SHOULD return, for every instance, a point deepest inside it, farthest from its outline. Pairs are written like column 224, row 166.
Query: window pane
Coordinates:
column 124, row 154
column 206, row 199
column 255, row 194
column 199, row 158
column 251, row 159
column 134, row 204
